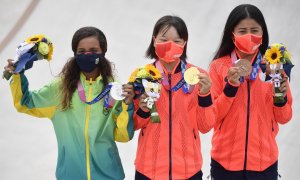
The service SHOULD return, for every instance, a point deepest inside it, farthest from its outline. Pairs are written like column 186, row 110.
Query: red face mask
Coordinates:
column 247, row 43
column 168, row 51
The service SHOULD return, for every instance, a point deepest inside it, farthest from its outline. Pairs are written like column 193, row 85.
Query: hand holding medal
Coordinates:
column 111, row 92
column 192, row 76
column 244, row 66
column 120, row 92
column 233, row 75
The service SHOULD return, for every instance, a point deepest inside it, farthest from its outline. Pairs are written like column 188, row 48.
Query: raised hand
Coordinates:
column 128, row 93
column 204, row 83
column 233, row 75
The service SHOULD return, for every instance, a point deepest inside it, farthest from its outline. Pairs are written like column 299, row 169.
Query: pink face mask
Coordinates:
column 248, row 43
column 168, row 51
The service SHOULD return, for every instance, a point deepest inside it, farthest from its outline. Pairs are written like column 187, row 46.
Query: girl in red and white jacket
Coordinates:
column 171, row 149
column 243, row 143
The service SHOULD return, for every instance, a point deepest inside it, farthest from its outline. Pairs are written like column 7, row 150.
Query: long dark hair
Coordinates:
column 164, row 24
column 238, row 14
column 70, row 73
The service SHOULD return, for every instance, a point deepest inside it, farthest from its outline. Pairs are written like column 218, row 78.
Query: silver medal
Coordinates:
column 116, row 91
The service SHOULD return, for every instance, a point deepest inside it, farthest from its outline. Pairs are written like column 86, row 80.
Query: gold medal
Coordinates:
column 191, row 76
column 245, row 67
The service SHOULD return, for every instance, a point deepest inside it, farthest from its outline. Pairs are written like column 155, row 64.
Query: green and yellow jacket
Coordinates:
column 86, row 134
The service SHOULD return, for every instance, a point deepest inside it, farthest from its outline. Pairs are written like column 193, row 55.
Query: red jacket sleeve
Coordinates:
column 283, row 112
column 140, row 118
column 206, row 115
column 223, row 96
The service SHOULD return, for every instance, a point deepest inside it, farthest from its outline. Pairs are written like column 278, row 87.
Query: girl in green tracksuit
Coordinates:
column 86, row 129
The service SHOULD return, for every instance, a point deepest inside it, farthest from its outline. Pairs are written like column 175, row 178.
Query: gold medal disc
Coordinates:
column 191, row 76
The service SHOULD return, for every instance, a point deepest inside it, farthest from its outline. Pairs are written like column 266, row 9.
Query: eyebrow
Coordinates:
column 241, row 28
column 90, row 49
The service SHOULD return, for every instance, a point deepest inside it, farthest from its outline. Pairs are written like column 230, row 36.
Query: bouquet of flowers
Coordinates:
column 36, row 47
column 146, row 79
column 278, row 65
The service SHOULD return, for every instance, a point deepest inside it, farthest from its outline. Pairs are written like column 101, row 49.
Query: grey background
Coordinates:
column 28, row 147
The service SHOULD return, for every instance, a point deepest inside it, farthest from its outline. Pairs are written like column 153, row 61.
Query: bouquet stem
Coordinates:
column 7, row 75
column 278, row 97
column 154, row 115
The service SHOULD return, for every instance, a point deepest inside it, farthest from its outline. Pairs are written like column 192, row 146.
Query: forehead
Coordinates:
column 248, row 23
column 88, row 42
column 168, row 31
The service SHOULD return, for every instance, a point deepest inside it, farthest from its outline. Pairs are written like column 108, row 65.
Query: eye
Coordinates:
column 94, row 50
column 80, row 51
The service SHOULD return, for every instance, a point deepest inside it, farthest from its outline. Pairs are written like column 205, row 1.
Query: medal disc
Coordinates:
column 245, row 67
column 191, row 76
column 116, row 91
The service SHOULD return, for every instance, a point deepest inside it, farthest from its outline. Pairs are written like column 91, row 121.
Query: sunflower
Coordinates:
column 35, row 38
column 143, row 73
column 273, row 55
column 49, row 56
column 154, row 72
column 133, row 75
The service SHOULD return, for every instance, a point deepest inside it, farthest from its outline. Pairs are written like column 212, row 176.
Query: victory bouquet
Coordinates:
column 279, row 65
column 36, row 47
column 146, row 79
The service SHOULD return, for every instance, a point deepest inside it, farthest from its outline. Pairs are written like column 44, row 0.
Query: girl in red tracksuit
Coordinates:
column 243, row 143
column 171, row 149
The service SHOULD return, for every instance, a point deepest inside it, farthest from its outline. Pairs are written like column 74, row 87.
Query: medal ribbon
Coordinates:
column 255, row 67
column 181, row 84
column 105, row 93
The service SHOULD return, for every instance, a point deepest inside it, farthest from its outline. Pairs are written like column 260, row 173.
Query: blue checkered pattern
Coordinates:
column 255, row 68
column 185, row 86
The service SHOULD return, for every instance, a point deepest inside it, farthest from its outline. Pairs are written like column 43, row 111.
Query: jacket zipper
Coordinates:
column 221, row 125
column 143, row 130
column 170, row 127
column 194, row 134
column 247, row 126
column 86, row 135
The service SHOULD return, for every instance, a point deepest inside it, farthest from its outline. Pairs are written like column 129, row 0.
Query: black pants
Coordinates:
column 219, row 173
column 140, row 176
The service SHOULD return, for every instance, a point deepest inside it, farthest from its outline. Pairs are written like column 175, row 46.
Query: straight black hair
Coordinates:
column 163, row 24
column 238, row 14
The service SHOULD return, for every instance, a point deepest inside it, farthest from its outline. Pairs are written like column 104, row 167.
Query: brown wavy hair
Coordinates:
column 70, row 74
